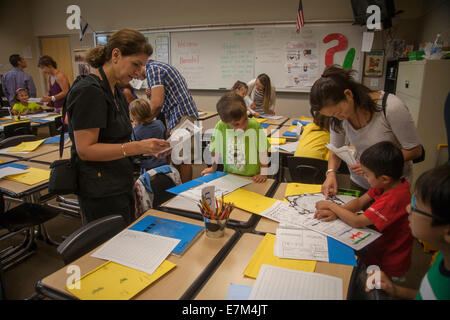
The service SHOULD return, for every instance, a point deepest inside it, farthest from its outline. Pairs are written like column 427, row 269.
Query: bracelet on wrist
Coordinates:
column 123, row 150
column 330, row 170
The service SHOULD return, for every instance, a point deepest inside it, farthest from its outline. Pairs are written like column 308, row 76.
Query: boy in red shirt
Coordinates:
column 382, row 164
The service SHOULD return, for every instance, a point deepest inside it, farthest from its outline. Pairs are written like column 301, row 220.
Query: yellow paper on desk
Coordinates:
column 27, row 146
column 277, row 141
column 260, row 120
column 33, row 176
column 113, row 281
column 249, row 201
column 264, row 255
column 301, row 188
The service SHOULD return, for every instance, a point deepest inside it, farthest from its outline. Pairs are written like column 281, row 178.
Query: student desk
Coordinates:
column 42, row 149
column 238, row 218
column 232, row 269
column 277, row 122
column 191, row 270
column 208, row 120
column 5, row 160
column 49, row 157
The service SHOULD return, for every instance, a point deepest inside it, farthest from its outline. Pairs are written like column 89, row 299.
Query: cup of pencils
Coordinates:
column 215, row 217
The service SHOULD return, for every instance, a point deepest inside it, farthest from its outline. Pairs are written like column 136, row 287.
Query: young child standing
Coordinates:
column 314, row 138
column 238, row 142
column 241, row 89
column 382, row 164
column 146, row 127
column 429, row 217
column 22, row 105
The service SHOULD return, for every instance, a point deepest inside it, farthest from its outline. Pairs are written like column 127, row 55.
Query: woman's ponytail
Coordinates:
column 96, row 57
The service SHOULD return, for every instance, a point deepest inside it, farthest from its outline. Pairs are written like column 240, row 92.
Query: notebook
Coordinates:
column 186, row 232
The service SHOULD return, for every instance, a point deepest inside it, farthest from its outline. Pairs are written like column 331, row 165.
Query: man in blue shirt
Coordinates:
column 170, row 96
column 17, row 78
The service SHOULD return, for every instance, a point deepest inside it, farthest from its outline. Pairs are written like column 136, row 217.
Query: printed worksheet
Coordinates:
column 293, row 242
column 344, row 152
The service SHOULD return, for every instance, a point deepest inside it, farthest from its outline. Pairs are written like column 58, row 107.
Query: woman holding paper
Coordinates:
column 100, row 127
column 357, row 115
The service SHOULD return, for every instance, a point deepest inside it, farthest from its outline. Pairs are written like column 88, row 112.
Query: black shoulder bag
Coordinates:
column 383, row 104
column 63, row 174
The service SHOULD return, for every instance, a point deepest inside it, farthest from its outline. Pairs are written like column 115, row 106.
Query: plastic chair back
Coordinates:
column 307, row 170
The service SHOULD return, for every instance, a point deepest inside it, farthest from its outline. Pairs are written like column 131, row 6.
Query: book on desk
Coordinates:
column 186, row 232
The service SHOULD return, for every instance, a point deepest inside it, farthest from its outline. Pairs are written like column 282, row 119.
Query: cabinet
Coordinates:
column 423, row 86
column 390, row 80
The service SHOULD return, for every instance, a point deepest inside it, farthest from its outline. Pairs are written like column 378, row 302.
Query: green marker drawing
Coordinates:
column 356, row 242
column 349, row 57
column 97, row 290
column 123, row 280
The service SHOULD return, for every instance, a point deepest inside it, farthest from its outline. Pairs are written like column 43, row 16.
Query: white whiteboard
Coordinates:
column 293, row 61
column 213, row 59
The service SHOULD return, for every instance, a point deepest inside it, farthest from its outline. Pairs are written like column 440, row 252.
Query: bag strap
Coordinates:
column 383, row 104
column 61, row 137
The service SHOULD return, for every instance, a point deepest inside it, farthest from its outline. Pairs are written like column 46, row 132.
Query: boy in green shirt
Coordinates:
column 429, row 218
column 22, row 105
column 238, row 142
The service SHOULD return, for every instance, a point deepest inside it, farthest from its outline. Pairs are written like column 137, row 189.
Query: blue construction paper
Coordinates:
column 303, row 122
column 14, row 165
column 238, row 292
column 196, row 182
column 289, row 134
column 163, row 169
column 186, row 232
column 41, row 120
column 340, row 253
column 54, row 139
column 264, row 125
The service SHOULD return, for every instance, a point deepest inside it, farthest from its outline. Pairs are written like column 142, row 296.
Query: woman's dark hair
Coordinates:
column 265, row 81
column 231, row 106
column 384, row 158
column 433, row 189
column 46, row 61
column 128, row 41
column 322, row 121
column 329, row 90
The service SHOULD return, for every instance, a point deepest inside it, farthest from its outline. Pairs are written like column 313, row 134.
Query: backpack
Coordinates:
column 383, row 105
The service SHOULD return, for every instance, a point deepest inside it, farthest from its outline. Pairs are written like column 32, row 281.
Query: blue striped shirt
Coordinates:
column 15, row 79
column 178, row 101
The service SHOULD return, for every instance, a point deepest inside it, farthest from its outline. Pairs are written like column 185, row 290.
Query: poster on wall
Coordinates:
column 373, row 66
column 81, row 67
column 302, row 63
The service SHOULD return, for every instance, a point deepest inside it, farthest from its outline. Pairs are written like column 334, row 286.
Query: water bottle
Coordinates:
column 437, row 45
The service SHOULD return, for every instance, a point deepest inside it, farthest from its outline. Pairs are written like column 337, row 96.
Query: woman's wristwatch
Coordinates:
column 330, row 170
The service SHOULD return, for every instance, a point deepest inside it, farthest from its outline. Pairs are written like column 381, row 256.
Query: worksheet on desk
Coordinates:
column 275, row 283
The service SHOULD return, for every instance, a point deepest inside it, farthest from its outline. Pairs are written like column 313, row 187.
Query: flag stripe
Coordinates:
column 300, row 17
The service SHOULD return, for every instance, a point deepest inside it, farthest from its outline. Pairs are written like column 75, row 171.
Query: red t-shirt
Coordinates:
column 392, row 251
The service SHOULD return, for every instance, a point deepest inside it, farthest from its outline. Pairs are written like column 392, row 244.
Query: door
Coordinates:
column 59, row 49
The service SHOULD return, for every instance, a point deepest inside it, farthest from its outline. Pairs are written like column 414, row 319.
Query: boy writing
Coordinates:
column 382, row 164
column 238, row 142
column 429, row 217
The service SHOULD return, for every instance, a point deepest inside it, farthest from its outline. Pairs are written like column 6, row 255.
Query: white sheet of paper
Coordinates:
column 182, row 134
column 268, row 116
column 181, row 203
column 367, row 41
column 6, row 151
column 34, row 100
column 7, row 171
column 275, row 283
column 289, row 147
column 344, row 152
column 299, row 243
column 139, row 250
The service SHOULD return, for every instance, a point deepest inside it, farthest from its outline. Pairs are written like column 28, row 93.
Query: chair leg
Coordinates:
column 47, row 237
column 14, row 258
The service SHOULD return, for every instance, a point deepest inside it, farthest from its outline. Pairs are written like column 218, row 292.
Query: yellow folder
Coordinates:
column 33, row 176
column 112, row 281
column 301, row 188
column 260, row 120
column 249, row 201
column 27, row 146
column 277, row 141
column 264, row 255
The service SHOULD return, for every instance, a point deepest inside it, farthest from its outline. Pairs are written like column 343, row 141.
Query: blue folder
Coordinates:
column 14, row 165
column 289, row 134
column 196, row 182
column 340, row 253
column 264, row 125
column 186, row 232
column 302, row 122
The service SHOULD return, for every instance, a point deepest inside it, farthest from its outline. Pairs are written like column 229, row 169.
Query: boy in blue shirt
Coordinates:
column 429, row 218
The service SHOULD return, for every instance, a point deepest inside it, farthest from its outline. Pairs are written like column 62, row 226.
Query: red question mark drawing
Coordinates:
column 342, row 44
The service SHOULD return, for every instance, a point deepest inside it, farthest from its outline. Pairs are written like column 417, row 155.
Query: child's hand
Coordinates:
column 356, row 168
column 385, row 283
column 256, row 114
column 325, row 215
column 259, row 178
column 253, row 106
column 207, row 171
column 323, row 205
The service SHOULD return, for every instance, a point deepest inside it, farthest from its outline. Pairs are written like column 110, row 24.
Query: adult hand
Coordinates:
column 148, row 93
column 357, row 169
column 385, row 283
column 330, row 186
column 207, row 171
column 46, row 99
column 259, row 178
column 253, row 106
column 325, row 215
column 154, row 146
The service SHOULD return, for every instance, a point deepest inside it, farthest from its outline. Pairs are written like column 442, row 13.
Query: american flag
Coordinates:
column 300, row 18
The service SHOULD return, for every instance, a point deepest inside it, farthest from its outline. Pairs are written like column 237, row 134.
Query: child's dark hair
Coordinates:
column 329, row 90
column 239, row 84
column 231, row 106
column 384, row 158
column 46, row 61
column 433, row 189
column 140, row 111
column 17, row 93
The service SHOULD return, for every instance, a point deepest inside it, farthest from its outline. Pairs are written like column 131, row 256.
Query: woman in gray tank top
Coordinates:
column 357, row 117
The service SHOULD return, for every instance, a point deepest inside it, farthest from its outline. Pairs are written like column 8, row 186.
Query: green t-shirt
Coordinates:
column 436, row 283
column 239, row 151
column 31, row 106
